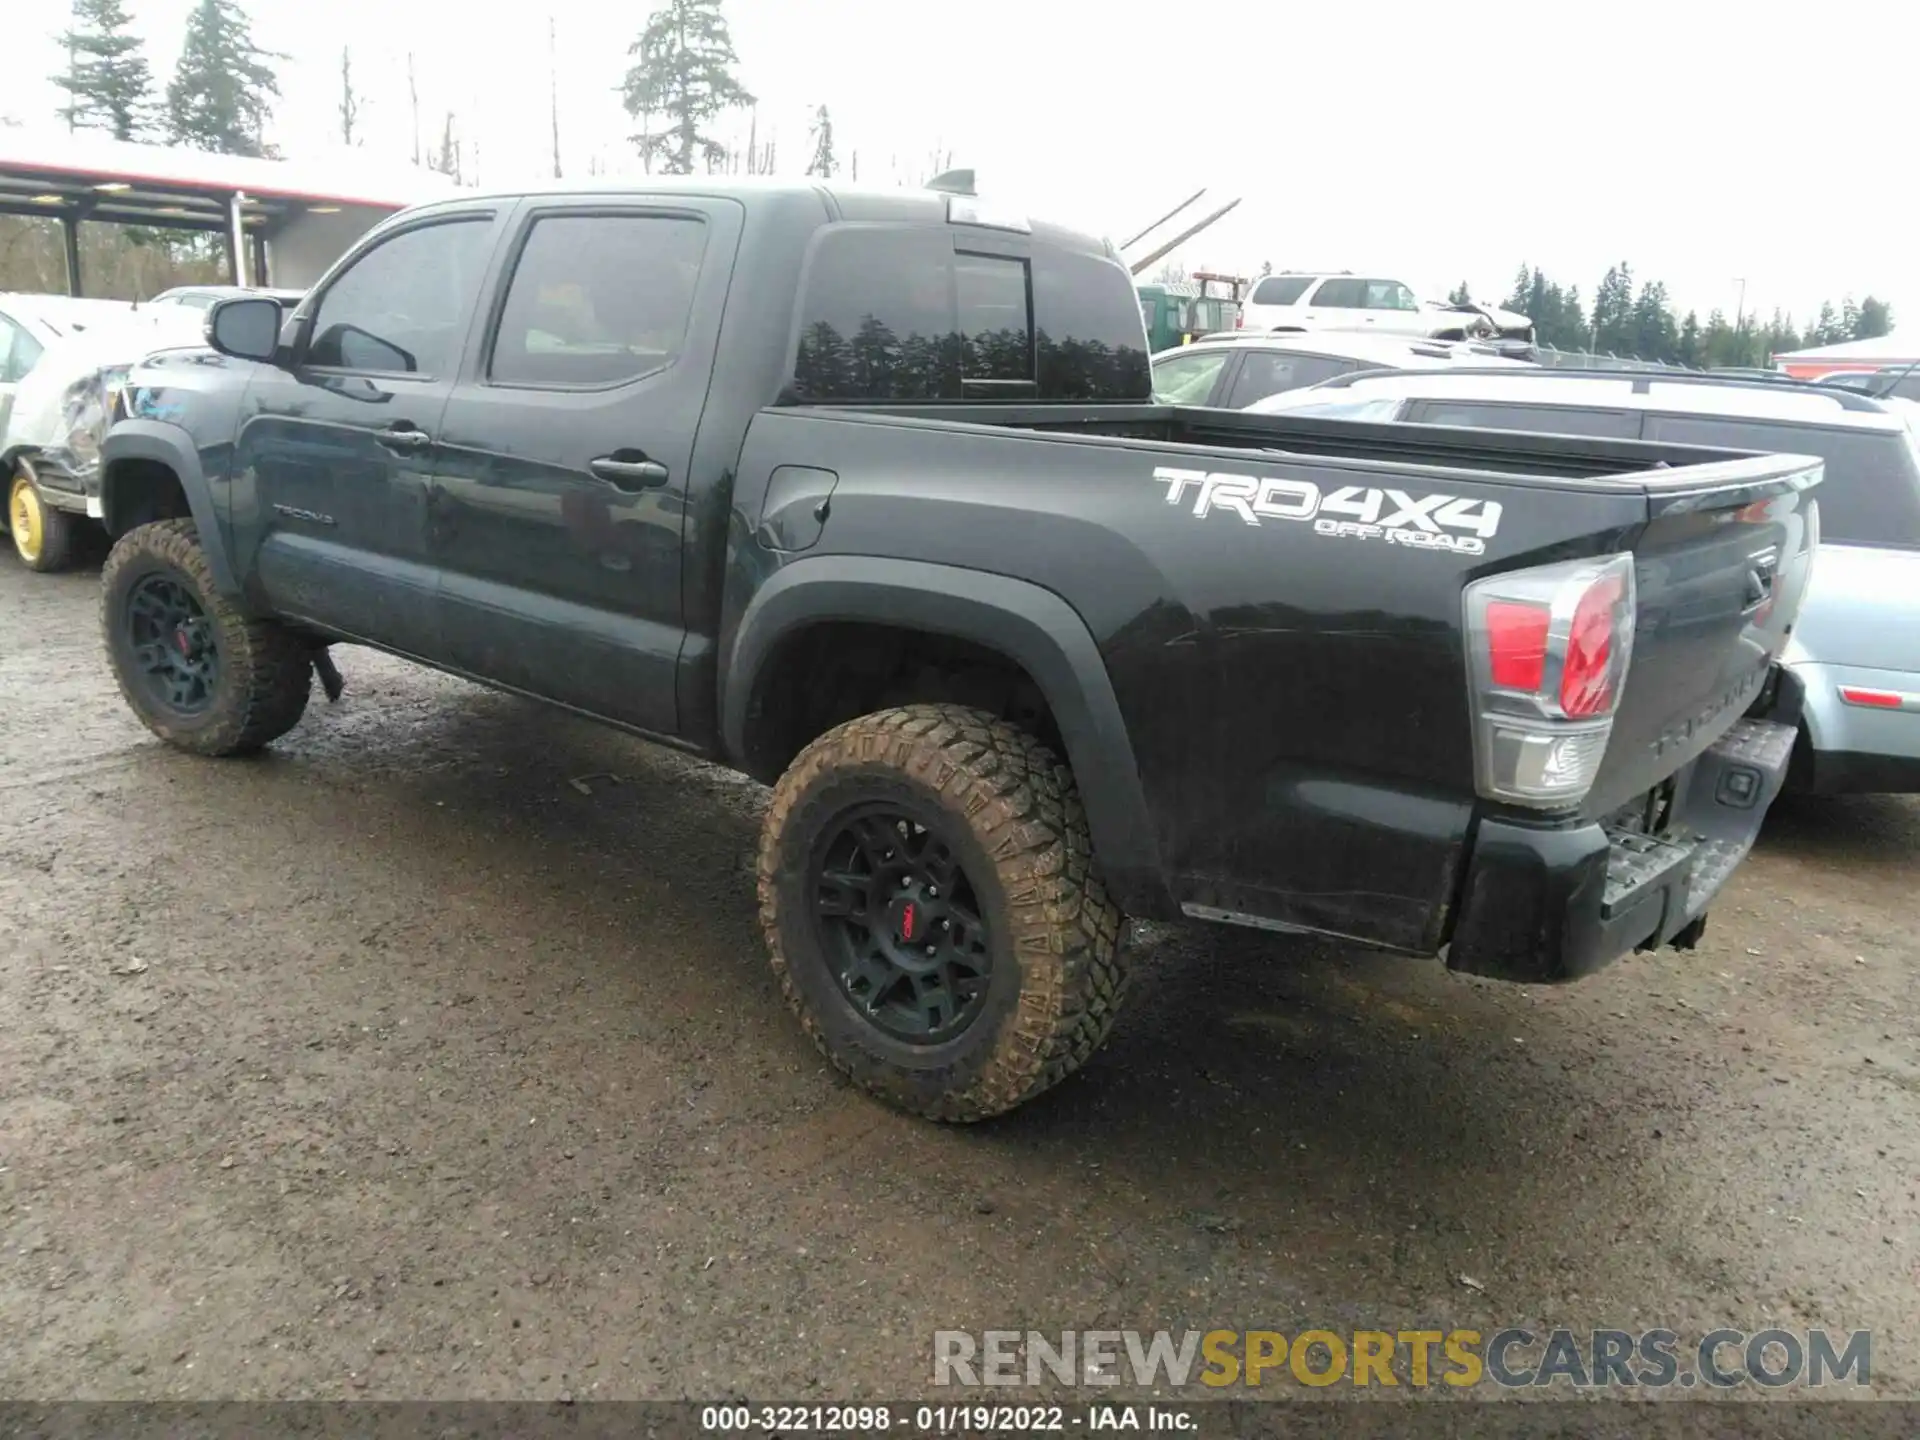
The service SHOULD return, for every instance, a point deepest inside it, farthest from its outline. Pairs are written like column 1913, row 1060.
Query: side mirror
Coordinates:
column 247, row 328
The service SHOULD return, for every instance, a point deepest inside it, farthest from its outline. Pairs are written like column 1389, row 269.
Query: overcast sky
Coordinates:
column 1701, row 141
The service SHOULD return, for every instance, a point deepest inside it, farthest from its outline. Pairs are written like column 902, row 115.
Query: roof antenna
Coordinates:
column 1886, row 390
column 953, row 182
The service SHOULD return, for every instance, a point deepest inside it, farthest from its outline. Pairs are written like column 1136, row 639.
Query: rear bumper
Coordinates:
column 1546, row 905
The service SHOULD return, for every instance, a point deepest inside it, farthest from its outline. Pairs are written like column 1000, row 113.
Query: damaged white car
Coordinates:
column 50, row 439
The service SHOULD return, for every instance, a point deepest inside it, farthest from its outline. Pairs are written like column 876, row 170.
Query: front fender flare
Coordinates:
column 1027, row 624
column 170, row 446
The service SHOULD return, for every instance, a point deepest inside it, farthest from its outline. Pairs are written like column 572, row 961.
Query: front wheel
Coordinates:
column 197, row 671
column 929, row 898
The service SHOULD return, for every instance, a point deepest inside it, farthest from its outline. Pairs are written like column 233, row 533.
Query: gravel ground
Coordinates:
column 392, row 1065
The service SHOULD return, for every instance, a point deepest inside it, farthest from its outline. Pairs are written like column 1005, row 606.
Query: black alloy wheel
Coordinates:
column 174, row 644
column 900, row 923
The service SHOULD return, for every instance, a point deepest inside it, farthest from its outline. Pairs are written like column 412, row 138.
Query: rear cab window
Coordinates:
column 1871, row 494
column 917, row 313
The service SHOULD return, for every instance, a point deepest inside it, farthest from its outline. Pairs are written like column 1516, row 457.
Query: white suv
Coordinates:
column 1299, row 301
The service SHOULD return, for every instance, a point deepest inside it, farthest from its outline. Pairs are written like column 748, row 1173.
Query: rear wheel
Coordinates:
column 43, row 537
column 928, row 894
column 199, row 673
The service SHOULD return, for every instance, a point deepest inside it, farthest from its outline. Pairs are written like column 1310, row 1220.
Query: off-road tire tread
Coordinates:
column 267, row 671
column 1022, row 805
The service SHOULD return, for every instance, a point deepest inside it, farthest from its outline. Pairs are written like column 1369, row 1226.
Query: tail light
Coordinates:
column 1547, row 659
column 1239, row 321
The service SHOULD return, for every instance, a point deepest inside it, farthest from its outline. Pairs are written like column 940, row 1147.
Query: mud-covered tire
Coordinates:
column 1011, row 814
column 265, row 672
column 43, row 538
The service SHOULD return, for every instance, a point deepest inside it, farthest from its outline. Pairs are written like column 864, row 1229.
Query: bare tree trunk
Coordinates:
column 413, row 92
column 553, row 87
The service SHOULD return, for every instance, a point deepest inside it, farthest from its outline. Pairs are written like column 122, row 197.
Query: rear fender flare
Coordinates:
column 1030, row 626
column 169, row 446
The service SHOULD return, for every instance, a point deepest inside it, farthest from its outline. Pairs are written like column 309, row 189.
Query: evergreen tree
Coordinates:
column 1874, row 320
column 1692, row 351
column 222, row 91
column 685, row 73
column 108, row 84
column 1459, row 295
column 1523, row 293
column 1613, row 311
column 823, row 164
column 1652, row 334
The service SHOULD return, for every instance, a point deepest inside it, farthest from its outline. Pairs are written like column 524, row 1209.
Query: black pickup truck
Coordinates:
column 863, row 494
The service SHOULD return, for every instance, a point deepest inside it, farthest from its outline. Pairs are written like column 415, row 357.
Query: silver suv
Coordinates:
column 1856, row 647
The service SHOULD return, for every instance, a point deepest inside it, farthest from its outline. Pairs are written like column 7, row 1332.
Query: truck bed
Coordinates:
column 1297, row 693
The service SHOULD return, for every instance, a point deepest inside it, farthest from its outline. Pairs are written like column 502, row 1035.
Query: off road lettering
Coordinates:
column 1353, row 512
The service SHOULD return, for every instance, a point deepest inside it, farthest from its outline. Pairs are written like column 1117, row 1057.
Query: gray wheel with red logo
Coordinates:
column 200, row 674
column 935, row 919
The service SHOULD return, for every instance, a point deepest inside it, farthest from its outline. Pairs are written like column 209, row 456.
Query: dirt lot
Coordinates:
column 393, row 1065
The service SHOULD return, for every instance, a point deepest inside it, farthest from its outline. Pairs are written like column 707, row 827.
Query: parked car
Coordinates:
column 1898, row 382
column 1295, row 301
column 203, row 297
column 50, row 442
column 1236, row 369
column 30, row 323
column 1856, row 647
column 863, row 494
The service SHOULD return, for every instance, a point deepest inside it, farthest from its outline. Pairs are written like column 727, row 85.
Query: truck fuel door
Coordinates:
column 798, row 503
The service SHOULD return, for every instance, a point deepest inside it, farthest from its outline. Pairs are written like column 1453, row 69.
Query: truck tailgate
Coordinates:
column 1719, row 573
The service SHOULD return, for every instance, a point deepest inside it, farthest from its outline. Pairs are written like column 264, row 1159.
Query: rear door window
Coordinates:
column 1538, row 419
column 1268, row 372
column 1871, row 494
column 597, row 300
column 1389, row 295
column 1188, row 379
column 1340, row 295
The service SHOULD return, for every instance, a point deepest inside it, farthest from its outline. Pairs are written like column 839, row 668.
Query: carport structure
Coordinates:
column 283, row 221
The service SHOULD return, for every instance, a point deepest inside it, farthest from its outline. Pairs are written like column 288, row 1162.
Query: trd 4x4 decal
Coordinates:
column 1354, row 512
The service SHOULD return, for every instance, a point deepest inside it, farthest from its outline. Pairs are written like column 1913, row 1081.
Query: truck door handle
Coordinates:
column 404, row 437
column 629, row 474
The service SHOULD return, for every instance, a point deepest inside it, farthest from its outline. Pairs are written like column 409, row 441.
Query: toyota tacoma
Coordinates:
column 864, row 494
